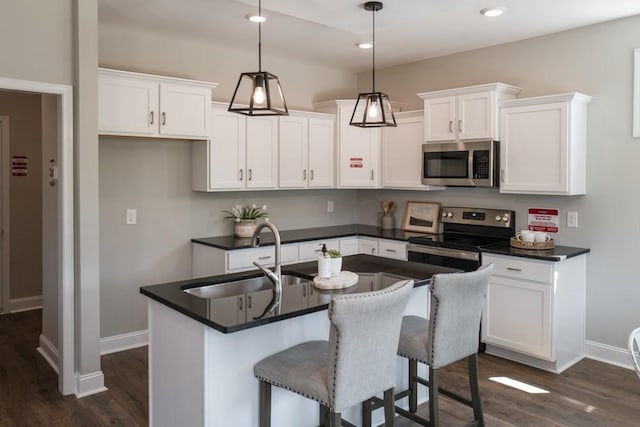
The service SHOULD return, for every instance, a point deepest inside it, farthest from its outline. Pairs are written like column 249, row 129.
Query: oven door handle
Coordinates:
column 445, row 252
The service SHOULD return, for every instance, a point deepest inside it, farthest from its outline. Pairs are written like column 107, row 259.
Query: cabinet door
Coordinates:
column 367, row 246
column 533, row 152
column 439, row 119
column 227, row 150
column 262, row 152
column 257, row 302
column 358, row 153
column 392, row 249
column 294, row 297
column 402, row 153
column 183, row 110
column 127, row 106
column 475, row 116
column 227, row 311
column 321, row 141
column 293, row 148
column 349, row 246
column 517, row 316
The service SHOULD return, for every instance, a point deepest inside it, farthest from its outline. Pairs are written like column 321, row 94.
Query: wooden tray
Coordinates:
column 344, row 279
column 536, row 246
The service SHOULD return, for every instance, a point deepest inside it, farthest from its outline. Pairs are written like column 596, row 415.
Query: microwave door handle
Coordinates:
column 470, row 166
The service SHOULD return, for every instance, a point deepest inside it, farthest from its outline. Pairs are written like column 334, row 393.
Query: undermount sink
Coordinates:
column 241, row 286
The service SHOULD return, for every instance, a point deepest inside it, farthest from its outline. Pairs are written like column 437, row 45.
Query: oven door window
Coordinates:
column 443, row 261
column 446, row 164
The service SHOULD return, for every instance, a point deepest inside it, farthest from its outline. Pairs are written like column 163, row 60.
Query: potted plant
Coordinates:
column 245, row 218
column 336, row 262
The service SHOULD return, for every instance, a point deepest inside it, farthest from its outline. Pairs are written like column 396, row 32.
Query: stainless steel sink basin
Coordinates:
column 241, row 287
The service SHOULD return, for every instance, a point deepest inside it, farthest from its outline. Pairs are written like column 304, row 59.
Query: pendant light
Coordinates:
column 259, row 93
column 373, row 109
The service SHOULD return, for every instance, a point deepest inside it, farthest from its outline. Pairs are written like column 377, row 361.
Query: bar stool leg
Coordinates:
column 265, row 404
column 389, row 408
column 335, row 419
column 413, row 385
column 472, row 362
column 367, row 409
column 324, row 416
column 433, row 397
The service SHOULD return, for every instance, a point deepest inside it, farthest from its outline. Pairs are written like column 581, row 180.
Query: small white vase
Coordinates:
column 335, row 266
column 245, row 228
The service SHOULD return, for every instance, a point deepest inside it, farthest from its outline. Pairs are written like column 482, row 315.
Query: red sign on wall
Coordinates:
column 542, row 219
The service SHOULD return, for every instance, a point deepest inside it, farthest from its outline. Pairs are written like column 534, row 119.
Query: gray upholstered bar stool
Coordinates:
column 450, row 334
column 358, row 361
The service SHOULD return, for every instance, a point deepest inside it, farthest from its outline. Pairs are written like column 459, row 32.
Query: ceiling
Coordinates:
column 326, row 31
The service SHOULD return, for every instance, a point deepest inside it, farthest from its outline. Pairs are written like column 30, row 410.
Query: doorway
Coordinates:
column 64, row 298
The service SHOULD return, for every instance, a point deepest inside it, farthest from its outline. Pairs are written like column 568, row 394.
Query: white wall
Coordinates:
column 598, row 61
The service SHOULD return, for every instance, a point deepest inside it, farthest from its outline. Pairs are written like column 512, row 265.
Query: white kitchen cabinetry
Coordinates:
column 358, row 149
column 392, row 249
column 367, row 245
column 544, row 143
column 535, row 311
column 134, row 104
column 306, row 150
column 465, row 113
column 241, row 153
column 402, row 153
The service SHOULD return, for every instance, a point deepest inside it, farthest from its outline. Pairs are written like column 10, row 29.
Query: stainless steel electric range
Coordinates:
column 465, row 232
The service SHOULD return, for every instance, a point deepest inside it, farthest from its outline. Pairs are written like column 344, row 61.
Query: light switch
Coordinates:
column 132, row 216
column 330, row 206
column 572, row 219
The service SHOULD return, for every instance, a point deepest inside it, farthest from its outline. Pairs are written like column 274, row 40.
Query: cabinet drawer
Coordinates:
column 392, row 249
column 309, row 251
column 520, row 268
column 243, row 259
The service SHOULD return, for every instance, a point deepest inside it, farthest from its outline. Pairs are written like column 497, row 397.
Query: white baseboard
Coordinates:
column 124, row 342
column 24, row 304
column 89, row 384
column 608, row 354
column 49, row 352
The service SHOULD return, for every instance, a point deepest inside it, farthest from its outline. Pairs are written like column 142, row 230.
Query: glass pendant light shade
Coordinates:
column 258, row 94
column 373, row 109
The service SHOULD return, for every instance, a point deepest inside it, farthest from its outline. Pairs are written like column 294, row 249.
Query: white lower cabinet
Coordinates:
column 367, row 245
column 392, row 249
column 535, row 310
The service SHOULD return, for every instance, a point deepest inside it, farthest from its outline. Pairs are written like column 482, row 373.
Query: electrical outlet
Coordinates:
column 330, row 206
column 132, row 216
column 572, row 219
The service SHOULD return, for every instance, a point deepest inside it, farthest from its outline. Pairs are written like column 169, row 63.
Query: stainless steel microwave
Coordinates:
column 461, row 164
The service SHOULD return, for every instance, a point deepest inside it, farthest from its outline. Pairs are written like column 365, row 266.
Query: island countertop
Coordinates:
column 374, row 273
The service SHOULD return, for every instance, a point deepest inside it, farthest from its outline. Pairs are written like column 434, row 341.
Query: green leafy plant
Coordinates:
column 238, row 212
column 334, row 253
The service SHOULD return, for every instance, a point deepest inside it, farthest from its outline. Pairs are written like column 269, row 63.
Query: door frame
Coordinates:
column 5, row 301
column 66, row 245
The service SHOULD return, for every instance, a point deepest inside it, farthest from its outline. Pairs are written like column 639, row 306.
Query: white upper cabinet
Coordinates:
column 306, row 151
column 402, row 153
column 241, row 153
column 358, row 149
column 464, row 113
column 543, row 146
column 134, row 104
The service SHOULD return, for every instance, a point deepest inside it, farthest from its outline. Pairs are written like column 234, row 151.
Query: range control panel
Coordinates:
column 478, row 216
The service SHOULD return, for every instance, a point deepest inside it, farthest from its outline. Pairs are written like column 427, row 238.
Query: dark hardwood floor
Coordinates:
column 588, row 394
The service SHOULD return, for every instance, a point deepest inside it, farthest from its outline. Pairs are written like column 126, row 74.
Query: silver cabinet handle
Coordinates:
column 514, row 269
column 164, row 118
column 264, row 257
column 371, row 174
column 250, row 174
column 304, row 175
column 151, row 118
column 241, row 174
column 459, row 125
column 311, row 172
column 391, row 250
column 502, row 176
column 450, row 126
column 304, row 291
column 248, row 301
column 373, row 251
column 239, row 303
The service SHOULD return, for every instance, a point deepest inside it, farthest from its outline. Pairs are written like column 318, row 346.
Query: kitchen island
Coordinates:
column 202, row 351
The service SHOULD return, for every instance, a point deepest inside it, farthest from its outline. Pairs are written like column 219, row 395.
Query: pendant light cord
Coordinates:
column 374, row 51
column 260, row 36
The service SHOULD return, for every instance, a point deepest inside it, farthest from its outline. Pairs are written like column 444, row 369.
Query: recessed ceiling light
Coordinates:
column 256, row 18
column 364, row 45
column 493, row 11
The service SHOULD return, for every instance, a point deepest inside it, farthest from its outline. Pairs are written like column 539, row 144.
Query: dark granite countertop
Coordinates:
column 374, row 273
column 558, row 253
column 307, row 234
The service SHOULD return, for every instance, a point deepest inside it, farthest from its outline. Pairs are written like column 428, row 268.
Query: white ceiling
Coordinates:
column 326, row 31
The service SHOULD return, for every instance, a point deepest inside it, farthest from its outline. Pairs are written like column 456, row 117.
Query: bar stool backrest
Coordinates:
column 456, row 308
column 634, row 348
column 363, row 341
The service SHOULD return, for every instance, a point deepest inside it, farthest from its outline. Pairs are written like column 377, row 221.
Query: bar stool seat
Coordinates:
column 357, row 363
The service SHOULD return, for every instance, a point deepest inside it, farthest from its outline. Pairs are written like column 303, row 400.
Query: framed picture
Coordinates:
column 636, row 93
column 423, row 217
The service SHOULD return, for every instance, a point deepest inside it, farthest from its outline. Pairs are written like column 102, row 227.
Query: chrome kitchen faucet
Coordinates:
column 274, row 276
